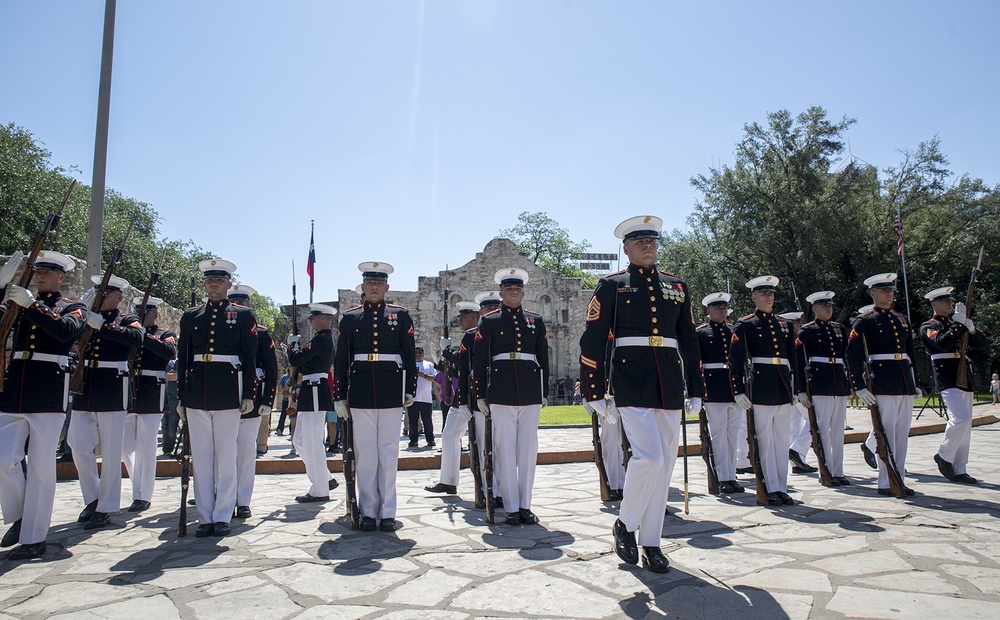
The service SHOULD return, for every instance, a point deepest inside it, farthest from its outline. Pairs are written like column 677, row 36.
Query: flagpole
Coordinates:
column 312, row 231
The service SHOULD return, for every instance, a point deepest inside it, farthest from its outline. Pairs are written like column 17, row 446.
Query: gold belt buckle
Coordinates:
column 833, row 360
column 206, row 357
column 656, row 341
column 373, row 357
column 776, row 360
column 25, row 355
column 897, row 356
column 95, row 363
column 515, row 355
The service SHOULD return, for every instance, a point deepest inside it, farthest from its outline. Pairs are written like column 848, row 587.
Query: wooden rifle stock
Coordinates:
column 488, row 469
column 474, row 464
column 185, row 477
column 602, row 470
column 882, row 447
column 962, row 375
column 350, row 474
column 758, row 469
column 13, row 314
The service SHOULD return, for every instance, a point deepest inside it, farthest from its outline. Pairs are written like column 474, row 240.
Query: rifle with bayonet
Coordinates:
column 13, row 314
column 293, row 398
column 76, row 382
column 961, row 376
column 825, row 477
column 154, row 279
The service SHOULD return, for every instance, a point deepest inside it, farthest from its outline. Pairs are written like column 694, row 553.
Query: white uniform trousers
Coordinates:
column 614, row 457
column 870, row 441
column 653, row 435
column 481, row 440
column 772, row 422
column 139, row 452
column 308, row 442
column 724, row 421
column 515, row 450
column 376, row 449
column 958, row 433
column 30, row 500
column 85, row 429
column 798, row 430
column 213, row 452
column 742, row 447
column 451, row 448
column 897, row 412
column 831, row 413
column 246, row 459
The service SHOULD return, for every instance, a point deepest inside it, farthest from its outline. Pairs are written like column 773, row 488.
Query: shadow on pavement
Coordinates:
column 681, row 595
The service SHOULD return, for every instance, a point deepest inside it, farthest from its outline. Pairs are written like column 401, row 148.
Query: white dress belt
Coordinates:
column 770, row 361
column 826, row 360
column 211, row 357
column 316, row 376
column 946, row 356
column 646, row 341
column 715, row 366
column 62, row 360
column 883, row 357
column 515, row 355
column 379, row 357
column 121, row 366
column 159, row 374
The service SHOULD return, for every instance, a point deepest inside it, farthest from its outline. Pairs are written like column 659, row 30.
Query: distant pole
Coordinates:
column 96, row 230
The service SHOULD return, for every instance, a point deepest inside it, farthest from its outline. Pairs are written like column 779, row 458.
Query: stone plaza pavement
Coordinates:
column 845, row 552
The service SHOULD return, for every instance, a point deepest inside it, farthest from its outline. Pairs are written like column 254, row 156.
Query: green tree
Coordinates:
column 549, row 245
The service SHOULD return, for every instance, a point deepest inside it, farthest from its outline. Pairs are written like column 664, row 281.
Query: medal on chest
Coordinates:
column 230, row 317
column 392, row 319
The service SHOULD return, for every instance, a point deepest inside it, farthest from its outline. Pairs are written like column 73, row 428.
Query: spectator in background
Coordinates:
column 285, row 391
column 420, row 410
column 995, row 388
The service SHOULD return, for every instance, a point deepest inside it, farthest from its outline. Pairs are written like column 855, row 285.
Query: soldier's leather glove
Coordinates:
column 182, row 413
column 95, row 320
column 407, row 400
column 340, row 407
column 465, row 412
column 743, row 401
column 866, row 396
column 960, row 313
column 20, row 295
column 804, row 399
column 246, row 406
column 264, row 411
column 9, row 269
column 88, row 297
column 692, row 405
column 483, row 406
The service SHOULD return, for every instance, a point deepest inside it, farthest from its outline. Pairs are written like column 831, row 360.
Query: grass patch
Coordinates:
column 572, row 414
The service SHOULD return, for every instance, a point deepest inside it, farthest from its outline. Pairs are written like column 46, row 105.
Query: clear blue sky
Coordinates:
column 412, row 132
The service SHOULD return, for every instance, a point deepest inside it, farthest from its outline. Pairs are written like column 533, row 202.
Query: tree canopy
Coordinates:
column 549, row 245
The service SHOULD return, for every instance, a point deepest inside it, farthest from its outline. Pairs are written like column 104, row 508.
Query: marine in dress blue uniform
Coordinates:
column 764, row 344
column 149, row 366
column 725, row 417
column 216, row 383
column 510, row 373
column 821, row 347
column 99, row 411
column 34, row 400
column 640, row 351
column 886, row 335
column 375, row 378
column 942, row 335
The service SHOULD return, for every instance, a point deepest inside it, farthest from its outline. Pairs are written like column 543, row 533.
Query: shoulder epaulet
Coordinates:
column 394, row 306
column 472, row 330
column 261, row 328
column 617, row 273
column 749, row 316
column 532, row 313
column 489, row 313
column 667, row 273
column 353, row 308
column 702, row 325
column 812, row 322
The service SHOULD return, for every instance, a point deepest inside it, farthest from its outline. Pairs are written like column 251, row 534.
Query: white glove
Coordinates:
column 445, row 343
column 20, row 295
column 340, row 406
column 95, row 320
column 960, row 313
column 611, row 412
column 407, row 400
column 692, row 405
column 264, row 411
column 545, row 402
column 465, row 412
column 88, row 297
column 596, row 407
column 865, row 395
column 804, row 399
column 920, row 393
column 970, row 326
column 743, row 401
column 9, row 269
column 182, row 412
column 246, row 406
column 483, row 406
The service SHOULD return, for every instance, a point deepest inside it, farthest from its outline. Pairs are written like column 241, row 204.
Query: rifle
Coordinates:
column 185, row 477
column 488, row 448
column 293, row 400
column 707, row 453
column 602, row 471
column 350, row 475
column 758, row 469
column 961, row 377
column 825, row 477
column 882, row 447
column 154, row 278
column 76, row 382
column 13, row 314
column 474, row 464
column 194, row 300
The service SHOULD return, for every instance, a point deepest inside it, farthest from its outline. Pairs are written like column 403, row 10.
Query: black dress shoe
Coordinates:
column 12, row 535
column 497, row 501
column 99, row 520
column 617, row 495
column 205, row 529
column 946, row 468
column 27, row 552
column 512, row 518
column 786, row 499
column 799, row 464
column 773, row 499
column 88, row 512
column 367, row 524
column 844, row 482
column 333, row 484
column 869, row 456
column 220, row 529
column 724, row 487
column 736, row 486
column 744, row 470
column 139, row 505
column 412, row 444
column 654, row 560
column 447, row 489
column 625, row 546
column 885, row 492
column 305, row 499
column 909, row 492
column 243, row 512
column 527, row 516
column 965, row 479
column 387, row 525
